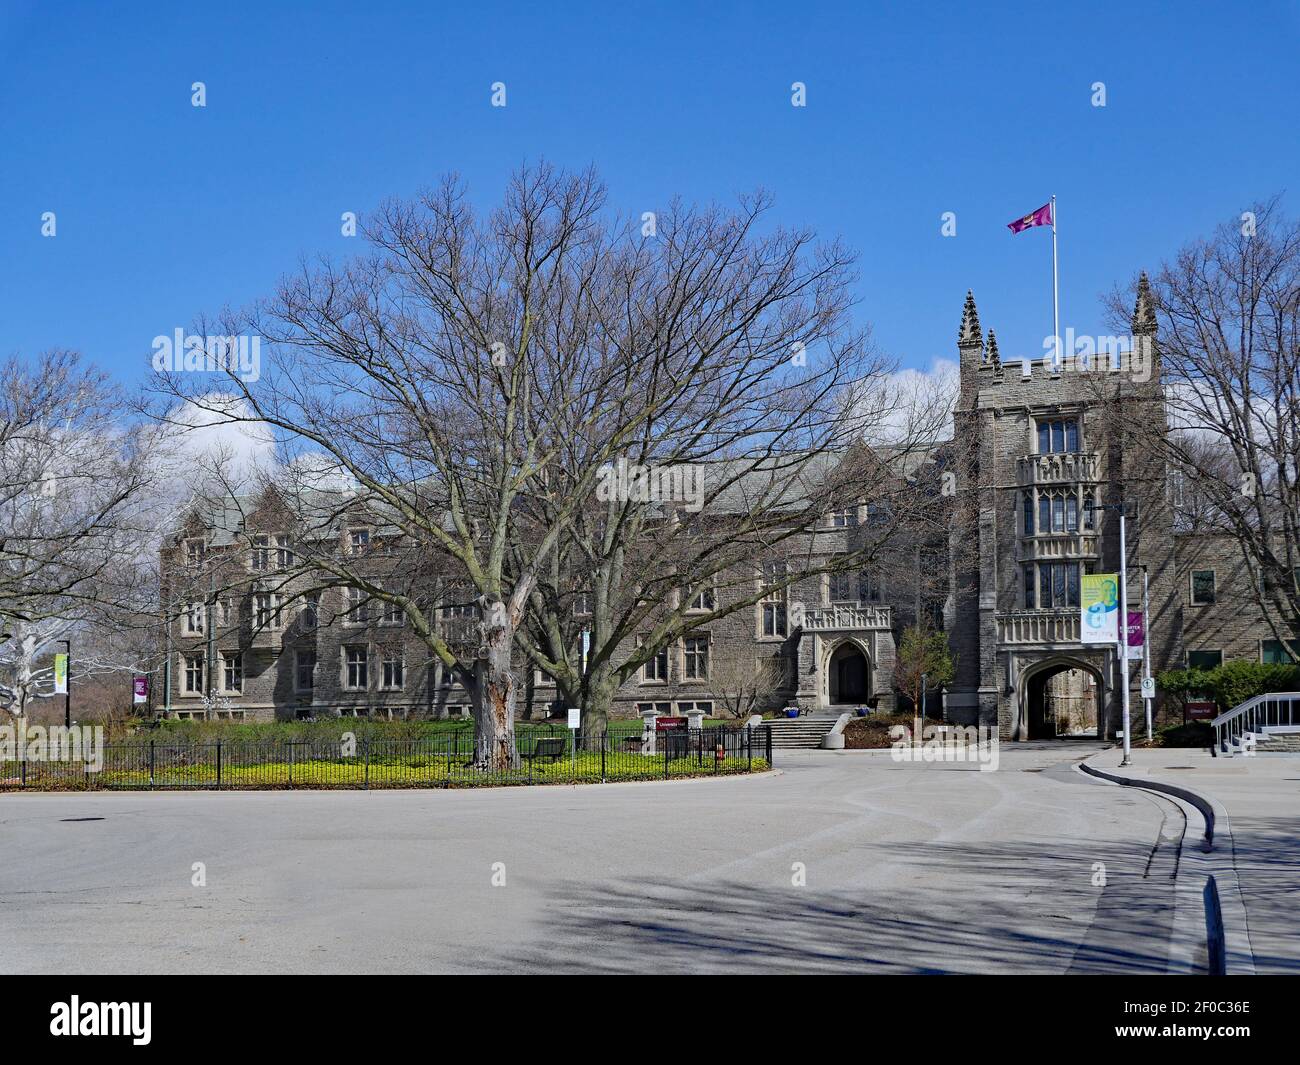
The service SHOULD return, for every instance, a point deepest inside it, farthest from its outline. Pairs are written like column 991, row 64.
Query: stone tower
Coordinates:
column 1040, row 459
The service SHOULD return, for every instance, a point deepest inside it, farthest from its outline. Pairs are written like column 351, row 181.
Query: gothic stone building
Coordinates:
column 1042, row 469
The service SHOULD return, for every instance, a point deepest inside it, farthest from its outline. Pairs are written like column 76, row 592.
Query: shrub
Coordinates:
column 1231, row 683
column 1192, row 734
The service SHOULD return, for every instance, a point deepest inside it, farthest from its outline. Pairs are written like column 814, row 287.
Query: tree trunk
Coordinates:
column 494, row 694
column 598, row 699
column 530, row 692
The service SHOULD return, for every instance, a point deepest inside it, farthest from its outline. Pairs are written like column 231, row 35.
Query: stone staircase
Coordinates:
column 790, row 732
column 1268, row 741
column 1271, row 721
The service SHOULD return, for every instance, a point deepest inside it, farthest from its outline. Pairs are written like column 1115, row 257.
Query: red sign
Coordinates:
column 141, row 690
column 1202, row 711
column 669, row 724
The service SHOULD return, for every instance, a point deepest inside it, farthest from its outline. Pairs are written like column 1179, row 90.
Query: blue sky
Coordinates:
column 166, row 211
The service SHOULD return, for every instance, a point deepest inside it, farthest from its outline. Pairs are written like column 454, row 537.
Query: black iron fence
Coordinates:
column 543, row 757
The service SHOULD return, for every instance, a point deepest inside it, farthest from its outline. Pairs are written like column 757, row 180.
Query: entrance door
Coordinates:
column 849, row 679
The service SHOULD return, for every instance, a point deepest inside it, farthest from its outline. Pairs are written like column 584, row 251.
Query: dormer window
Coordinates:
column 358, row 541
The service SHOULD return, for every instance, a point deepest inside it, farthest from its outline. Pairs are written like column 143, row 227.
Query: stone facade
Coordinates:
column 238, row 655
column 1050, row 469
column 1040, row 467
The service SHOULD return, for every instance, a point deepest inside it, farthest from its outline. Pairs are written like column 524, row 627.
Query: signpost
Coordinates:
column 575, row 723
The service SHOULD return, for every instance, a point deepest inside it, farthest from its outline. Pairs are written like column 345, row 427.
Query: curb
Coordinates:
column 1227, row 934
column 1204, row 806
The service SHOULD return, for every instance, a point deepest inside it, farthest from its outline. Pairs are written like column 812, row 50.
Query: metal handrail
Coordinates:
column 1261, row 711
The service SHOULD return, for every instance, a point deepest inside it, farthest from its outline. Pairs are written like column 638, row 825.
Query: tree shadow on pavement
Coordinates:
column 1267, row 857
column 1016, row 908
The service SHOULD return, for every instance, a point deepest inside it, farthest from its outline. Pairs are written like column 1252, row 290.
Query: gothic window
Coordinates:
column 232, row 671
column 1057, row 586
column 356, row 667
column 1058, row 512
column 1058, row 436
column 695, row 658
column 655, row 669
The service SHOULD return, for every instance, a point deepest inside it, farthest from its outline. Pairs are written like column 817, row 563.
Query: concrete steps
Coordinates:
column 1270, row 741
column 791, row 732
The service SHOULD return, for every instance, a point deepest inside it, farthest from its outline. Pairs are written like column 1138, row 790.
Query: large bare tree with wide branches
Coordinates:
column 480, row 380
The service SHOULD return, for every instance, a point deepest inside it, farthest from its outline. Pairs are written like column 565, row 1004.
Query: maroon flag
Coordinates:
column 1041, row 217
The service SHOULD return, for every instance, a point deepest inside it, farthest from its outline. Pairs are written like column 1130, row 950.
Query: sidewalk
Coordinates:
column 1261, row 797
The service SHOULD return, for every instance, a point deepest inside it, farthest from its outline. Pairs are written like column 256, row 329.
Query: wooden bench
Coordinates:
column 552, row 747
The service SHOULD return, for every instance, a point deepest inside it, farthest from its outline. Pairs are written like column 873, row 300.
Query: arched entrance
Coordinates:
column 848, row 675
column 1062, row 700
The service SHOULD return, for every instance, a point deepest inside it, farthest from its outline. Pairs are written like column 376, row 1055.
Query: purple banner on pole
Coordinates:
column 1136, row 636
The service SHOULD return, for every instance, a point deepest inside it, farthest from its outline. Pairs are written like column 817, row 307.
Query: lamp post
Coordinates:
column 1123, row 633
column 67, row 685
column 1122, row 644
column 1146, row 647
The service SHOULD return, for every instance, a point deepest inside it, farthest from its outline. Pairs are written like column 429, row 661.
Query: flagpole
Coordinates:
column 1056, row 299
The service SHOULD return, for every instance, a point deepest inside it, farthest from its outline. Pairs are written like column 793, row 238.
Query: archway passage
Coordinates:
column 1061, row 703
column 849, row 677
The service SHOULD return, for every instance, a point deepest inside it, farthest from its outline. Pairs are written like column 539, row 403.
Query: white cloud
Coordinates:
column 200, row 437
column 915, row 405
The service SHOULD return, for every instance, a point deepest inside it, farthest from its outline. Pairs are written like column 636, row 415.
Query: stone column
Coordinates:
column 648, row 729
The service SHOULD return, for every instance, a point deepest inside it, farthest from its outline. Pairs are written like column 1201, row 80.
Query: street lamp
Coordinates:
column 67, row 684
column 1122, row 644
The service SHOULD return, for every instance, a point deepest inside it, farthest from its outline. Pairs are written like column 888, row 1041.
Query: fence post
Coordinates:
column 767, row 743
column 23, row 773
column 218, row 764
column 366, row 741
column 289, row 745
column 604, row 741
column 667, row 744
column 151, row 742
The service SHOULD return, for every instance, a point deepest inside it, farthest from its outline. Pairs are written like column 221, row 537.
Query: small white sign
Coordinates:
column 1148, row 687
column 575, row 718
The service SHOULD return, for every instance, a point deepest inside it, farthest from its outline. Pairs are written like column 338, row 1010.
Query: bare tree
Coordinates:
column 1228, row 316
column 796, row 493
column 447, row 373
column 742, row 685
column 73, row 517
column 102, row 644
